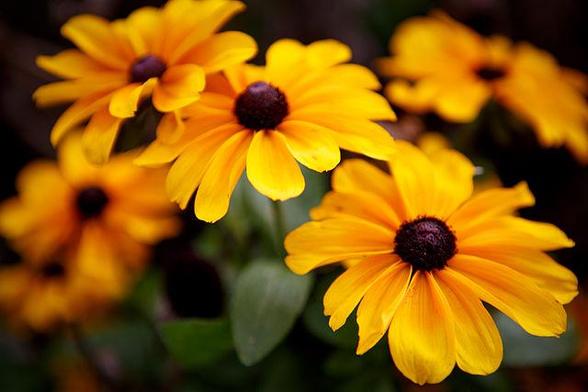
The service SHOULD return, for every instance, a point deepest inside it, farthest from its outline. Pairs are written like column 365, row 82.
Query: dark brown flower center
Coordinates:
column 91, row 202
column 261, row 106
column 147, row 67
column 426, row 243
column 490, row 73
column 53, row 270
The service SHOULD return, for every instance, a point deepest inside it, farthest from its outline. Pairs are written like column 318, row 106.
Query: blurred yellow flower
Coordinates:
column 443, row 66
column 107, row 215
column 430, row 254
column 303, row 106
column 164, row 53
column 44, row 296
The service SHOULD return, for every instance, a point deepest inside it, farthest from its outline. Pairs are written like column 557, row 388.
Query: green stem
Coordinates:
column 279, row 226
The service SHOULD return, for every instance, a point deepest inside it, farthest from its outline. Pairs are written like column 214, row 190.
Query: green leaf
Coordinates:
column 522, row 349
column 266, row 302
column 197, row 342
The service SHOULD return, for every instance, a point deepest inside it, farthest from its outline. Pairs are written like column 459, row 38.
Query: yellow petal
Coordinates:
column 62, row 92
column 221, row 51
column 73, row 163
column 356, row 175
column 282, row 58
column 76, row 113
column 70, row 64
column 188, row 170
column 493, row 202
column 515, row 295
column 178, row 87
column 546, row 272
column 99, row 136
column 379, row 305
column 326, row 53
column 478, row 344
column 349, row 288
column 422, row 332
column 311, row 145
column 220, row 178
column 170, row 128
column 125, row 100
column 95, row 36
column 271, row 169
column 512, row 231
column 144, row 31
column 319, row 243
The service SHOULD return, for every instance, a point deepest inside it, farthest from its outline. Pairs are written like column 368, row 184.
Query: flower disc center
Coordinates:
column 426, row 243
column 261, row 106
column 53, row 270
column 490, row 73
column 91, row 201
column 147, row 67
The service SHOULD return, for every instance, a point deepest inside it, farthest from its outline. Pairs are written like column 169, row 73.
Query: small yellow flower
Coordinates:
column 431, row 253
column 160, row 53
column 107, row 215
column 445, row 67
column 45, row 296
column 303, row 106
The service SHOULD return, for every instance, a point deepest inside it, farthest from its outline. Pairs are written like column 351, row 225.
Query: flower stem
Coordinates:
column 279, row 226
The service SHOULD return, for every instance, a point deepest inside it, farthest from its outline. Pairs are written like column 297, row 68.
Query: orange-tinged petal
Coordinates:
column 73, row 163
column 124, row 101
column 144, row 31
column 422, row 332
column 514, row 294
column 318, row 243
column 170, row 128
column 356, row 175
column 513, row 231
column 478, row 344
column 70, row 64
column 178, row 87
column 70, row 90
column 349, row 288
column 546, row 272
column 76, row 113
column 492, row 202
column 221, row 51
column 225, row 169
column 99, row 136
column 379, row 304
column 271, row 169
column 311, row 145
column 188, row 170
column 96, row 37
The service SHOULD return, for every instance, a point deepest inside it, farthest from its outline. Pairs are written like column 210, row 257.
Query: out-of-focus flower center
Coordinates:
column 426, row 243
column 91, row 202
column 53, row 270
column 147, row 67
column 261, row 106
column 490, row 73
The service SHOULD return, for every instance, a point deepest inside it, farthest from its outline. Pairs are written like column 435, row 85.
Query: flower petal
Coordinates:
column 515, row 295
column 326, row 53
column 178, row 87
column 125, row 100
column 319, row 243
column 282, row 58
column 99, row 136
column 170, row 128
column 379, row 305
column 311, row 145
column 349, row 288
column 70, row 64
column 225, row 169
column 479, row 347
column 422, row 332
column 271, row 169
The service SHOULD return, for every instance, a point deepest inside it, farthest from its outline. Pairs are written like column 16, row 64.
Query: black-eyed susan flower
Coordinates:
column 107, row 215
column 427, row 256
column 163, row 53
column 58, row 291
column 303, row 106
column 443, row 66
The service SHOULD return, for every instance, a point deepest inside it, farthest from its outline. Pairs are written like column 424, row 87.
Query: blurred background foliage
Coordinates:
column 173, row 332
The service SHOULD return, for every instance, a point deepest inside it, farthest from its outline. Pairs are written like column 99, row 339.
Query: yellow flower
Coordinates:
column 448, row 68
column 107, row 215
column 45, row 296
column 160, row 53
column 430, row 254
column 302, row 107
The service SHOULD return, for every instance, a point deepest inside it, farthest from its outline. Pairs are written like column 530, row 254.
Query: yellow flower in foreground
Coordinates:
column 45, row 296
column 448, row 68
column 164, row 53
column 301, row 107
column 431, row 253
column 107, row 215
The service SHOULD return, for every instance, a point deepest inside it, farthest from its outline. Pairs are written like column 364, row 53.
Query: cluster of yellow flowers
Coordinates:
column 423, row 251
